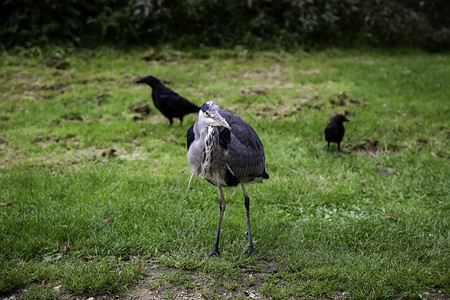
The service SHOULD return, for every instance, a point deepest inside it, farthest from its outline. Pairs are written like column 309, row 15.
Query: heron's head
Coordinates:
column 209, row 115
column 150, row 80
column 340, row 118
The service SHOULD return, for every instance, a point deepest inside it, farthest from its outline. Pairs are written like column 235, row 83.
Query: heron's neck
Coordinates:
column 209, row 141
column 210, row 134
column 209, row 148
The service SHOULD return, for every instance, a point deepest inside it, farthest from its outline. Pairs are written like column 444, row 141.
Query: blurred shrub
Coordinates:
column 226, row 23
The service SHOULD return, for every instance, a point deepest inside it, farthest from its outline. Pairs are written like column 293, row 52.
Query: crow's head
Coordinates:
column 339, row 118
column 150, row 80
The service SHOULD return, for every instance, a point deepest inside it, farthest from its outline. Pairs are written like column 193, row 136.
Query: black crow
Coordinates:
column 169, row 103
column 334, row 132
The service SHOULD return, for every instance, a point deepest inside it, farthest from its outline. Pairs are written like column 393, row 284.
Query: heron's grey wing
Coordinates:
column 224, row 137
column 245, row 134
column 244, row 150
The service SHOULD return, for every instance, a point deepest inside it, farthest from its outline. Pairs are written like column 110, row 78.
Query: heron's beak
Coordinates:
column 220, row 120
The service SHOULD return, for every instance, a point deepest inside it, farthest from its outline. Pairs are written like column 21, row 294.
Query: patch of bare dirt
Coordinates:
column 274, row 74
column 349, row 113
column 342, row 99
column 281, row 110
column 73, row 116
column 51, row 86
column 278, row 113
column 194, row 285
column 170, row 283
column 30, row 86
column 310, row 71
column 36, row 86
column 386, row 172
column 311, row 102
column 371, row 146
column 141, row 110
column 435, row 294
column 69, row 151
column 57, row 64
column 3, row 144
column 94, row 81
column 254, row 90
column 165, row 80
column 153, row 54
column 109, row 153
column 46, row 141
column 366, row 145
column 102, row 96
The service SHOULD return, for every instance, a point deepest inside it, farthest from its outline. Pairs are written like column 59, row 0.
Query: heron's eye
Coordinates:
column 208, row 114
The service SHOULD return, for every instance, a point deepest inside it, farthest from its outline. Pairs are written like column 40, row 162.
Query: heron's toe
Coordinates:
column 251, row 251
column 214, row 253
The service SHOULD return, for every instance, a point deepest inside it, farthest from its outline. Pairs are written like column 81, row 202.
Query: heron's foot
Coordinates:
column 251, row 251
column 214, row 253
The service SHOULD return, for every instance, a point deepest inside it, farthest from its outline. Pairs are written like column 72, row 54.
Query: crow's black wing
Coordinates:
column 166, row 99
column 334, row 132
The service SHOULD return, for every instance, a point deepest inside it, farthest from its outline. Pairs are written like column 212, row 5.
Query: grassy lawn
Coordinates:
column 95, row 198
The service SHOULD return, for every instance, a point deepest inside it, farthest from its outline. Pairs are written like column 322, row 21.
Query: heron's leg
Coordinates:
column 222, row 205
column 251, row 249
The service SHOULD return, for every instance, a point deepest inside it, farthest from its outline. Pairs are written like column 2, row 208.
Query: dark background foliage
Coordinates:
column 226, row 23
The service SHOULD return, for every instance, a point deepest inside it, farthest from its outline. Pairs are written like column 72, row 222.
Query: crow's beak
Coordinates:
column 346, row 120
column 140, row 80
column 220, row 120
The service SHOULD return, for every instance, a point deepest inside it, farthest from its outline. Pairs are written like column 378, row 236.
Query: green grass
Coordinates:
column 80, row 222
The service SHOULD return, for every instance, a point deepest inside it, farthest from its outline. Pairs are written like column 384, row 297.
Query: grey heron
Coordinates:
column 334, row 132
column 226, row 151
column 169, row 103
